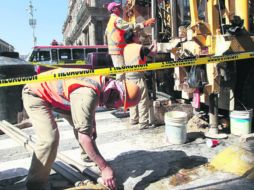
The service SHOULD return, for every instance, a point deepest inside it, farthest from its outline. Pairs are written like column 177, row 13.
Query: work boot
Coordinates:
column 146, row 126
column 132, row 122
column 143, row 126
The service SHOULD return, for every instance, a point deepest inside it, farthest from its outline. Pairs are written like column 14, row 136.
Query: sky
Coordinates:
column 15, row 28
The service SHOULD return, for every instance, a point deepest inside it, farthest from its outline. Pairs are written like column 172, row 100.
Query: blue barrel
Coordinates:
column 10, row 97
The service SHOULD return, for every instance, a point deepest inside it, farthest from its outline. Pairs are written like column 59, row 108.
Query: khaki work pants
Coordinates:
column 140, row 112
column 118, row 61
column 83, row 104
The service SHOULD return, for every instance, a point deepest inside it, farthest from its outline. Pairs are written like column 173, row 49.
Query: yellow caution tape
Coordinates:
column 133, row 68
column 45, row 65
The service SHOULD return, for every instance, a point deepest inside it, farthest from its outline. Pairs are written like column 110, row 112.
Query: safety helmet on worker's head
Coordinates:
column 117, row 94
column 112, row 5
column 132, row 94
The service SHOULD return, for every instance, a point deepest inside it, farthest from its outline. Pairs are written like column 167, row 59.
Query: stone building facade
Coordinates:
column 85, row 23
column 5, row 47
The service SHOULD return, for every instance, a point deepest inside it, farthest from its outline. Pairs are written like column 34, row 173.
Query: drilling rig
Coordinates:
column 196, row 28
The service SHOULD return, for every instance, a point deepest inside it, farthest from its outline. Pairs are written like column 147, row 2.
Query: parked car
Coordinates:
column 10, row 96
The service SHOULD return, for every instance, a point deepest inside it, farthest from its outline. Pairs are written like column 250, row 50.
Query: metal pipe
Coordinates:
column 174, row 28
column 181, row 8
column 80, row 167
column 29, row 142
column 67, row 172
column 194, row 12
column 242, row 10
column 26, row 143
column 213, row 113
column 60, row 156
column 59, row 167
column 154, row 15
column 213, row 16
column 228, row 11
column 154, row 40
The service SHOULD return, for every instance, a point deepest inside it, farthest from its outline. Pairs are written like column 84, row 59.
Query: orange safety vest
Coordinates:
column 115, row 37
column 132, row 55
column 57, row 92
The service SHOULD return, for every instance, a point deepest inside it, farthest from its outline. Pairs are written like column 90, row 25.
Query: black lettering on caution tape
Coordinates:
column 73, row 73
column 19, row 79
column 131, row 68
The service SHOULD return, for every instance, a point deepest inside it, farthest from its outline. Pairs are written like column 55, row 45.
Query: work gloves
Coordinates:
column 149, row 22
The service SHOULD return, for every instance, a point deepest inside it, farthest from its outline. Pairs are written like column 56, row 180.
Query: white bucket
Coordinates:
column 175, row 126
column 240, row 122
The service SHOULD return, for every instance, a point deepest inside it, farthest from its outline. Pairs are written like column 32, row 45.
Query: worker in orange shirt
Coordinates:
column 115, row 30
column 81, row 96
column 135, row 54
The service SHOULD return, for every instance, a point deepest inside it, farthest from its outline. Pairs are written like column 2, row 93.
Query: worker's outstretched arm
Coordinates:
column 91, row 149
column 123, row 25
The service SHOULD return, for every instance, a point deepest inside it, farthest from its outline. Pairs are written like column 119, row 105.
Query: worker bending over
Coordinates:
column 135, row 54
column 115, row 30
column 81, row 96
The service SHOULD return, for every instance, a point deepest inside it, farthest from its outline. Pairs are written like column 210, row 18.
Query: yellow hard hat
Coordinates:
column 132, row 94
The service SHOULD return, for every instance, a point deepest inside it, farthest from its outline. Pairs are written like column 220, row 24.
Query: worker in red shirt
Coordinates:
column 81, row 96
column 115, row 30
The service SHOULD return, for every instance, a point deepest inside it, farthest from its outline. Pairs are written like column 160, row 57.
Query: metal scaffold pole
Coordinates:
column 32, row 20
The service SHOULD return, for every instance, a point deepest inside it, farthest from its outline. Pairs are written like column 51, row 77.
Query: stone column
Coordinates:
column 93, row 3
column 92, row 33
column 104, row 26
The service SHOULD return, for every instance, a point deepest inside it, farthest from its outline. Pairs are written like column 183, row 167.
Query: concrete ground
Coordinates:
column 142, row 159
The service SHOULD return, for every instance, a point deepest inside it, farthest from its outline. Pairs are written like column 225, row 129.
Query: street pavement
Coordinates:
column 142, row 159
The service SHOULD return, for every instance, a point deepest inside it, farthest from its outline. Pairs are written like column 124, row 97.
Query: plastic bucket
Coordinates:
column 175, row 127
column 240, row 122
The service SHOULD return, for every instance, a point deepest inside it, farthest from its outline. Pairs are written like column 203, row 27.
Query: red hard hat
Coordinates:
column 113, row 5
column 129, row 93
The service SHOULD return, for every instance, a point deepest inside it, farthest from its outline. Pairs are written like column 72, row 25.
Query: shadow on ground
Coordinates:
column 137, row 169
column 7, row 184
column 192, row 136
column 120, row 113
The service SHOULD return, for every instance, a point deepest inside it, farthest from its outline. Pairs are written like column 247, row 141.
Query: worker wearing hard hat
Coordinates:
column 81, row 96
column 115, row 34
column 135, row 54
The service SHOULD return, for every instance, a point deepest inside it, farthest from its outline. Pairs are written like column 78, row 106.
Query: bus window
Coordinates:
column 39, row 56
column 44, row 56
column 33, row 56
column 101, row 59
column 78, row 54
column 64, row 54
column 102, row 50
column 90, row 50
column 54, row 55
column 104, row 60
